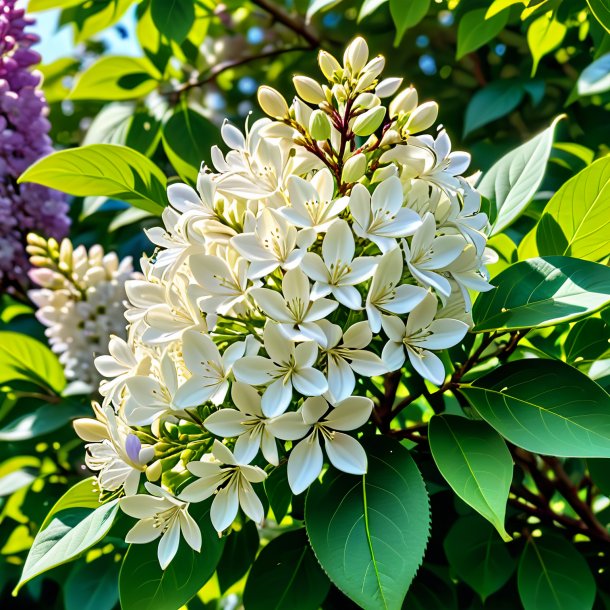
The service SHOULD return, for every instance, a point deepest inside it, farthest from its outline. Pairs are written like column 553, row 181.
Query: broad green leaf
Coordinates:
column 156, row 47
column 278, row 492
column 315, row 6
column 492, row 102
column 576, row 221
column 238, row 555
column 498, row 6
column 601, row 12
column 599, row 470
column 13, row 481
column 406, row 15
column 477, row 29
column 22, row 357
column 94, row 585
column 544, row 35
column 71, row 532
column 431, row 592
column 116, row 78
column 474, row 460
column 173, row 18
column 143, row 585
column 478, row 556
column 89, row 18
column 506, row 249
column 369, row 7
column 527, row 246
column 43, row 420
column 102, row 169
column 85, row 494
column 44, row 5
column 553, row 575
column 187, row 138
column 595, row 78
column 370, row 532
column 541, row 292
column 54, row 78
column 286, row 574
column 514, row 179
column 587, row 341
column 544, row 406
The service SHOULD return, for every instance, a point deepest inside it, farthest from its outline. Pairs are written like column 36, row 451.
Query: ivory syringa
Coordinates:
column 296, row 271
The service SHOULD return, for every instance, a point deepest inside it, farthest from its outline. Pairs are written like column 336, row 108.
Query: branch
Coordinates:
column 228, row 65
column 281, row 16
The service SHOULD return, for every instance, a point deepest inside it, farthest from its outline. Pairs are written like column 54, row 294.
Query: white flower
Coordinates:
column 247, row 422
column 311, row 202
column 232, row 482
column 348, row 356
column 113, row 451
column 344, row 452
column 151, row 397
column 382, row 217
column 386, row 293
column 429, row 253
column 418, row 336
column 161, row 514
column 287, row 367
column 273, row 244
column 294, row 310
column 210, row 371
column 337, row 271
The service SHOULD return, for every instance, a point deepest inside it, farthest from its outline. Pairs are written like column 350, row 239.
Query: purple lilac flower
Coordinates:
column 24, row 139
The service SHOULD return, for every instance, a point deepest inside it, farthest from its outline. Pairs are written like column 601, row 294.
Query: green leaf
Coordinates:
column 94, row 585
column 492, row 102
column 406, row 15
column 544, row 35
column 431, row 592
column 43, row 420
column 474, row 460
column 369, row 7
column 544, row 406
column 16, row 480
column 599, row 470
column 595, row 78
column 370, row 532
column 116, row 78
column 278, row 492
column 286, row 574
column 315, row 6
column 541, row 292
column 576, row 221
column 498, row 6
column 22, row 357
column 553, row 575
column 85, row 494
column 102, row 169
column 44, row 5
column 143, row 585
column 187, row 139
column 601, row 12
column 478, row 556
column 587, row 341
column 173, row 18
column 476, row 29
column 238, row 555
column 514, row 179
column 71, row 532
column 89, row 18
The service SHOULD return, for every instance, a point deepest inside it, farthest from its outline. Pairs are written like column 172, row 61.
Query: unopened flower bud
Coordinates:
column 65, row 252
column 405, row 101
column 36, row 240
column 390, row 137
column 272, row 102
column 367, row 123
column 154, row 471
column 366, row 100
column 422, row 117
column 40, row 261
column 388, row 87
column 319, row 125
column 354, row 168
column 330, row 67
column 309, row 90
column 383, row 173
column 356, row 55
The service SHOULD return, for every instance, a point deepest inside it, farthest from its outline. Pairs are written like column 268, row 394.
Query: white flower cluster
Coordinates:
column 81, row 301
column 329, row 246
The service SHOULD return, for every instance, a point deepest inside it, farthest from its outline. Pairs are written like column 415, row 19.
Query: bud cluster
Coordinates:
column 81, row 301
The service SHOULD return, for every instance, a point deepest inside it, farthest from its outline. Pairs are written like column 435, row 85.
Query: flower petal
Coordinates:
column 304, row 464
column 346, row 453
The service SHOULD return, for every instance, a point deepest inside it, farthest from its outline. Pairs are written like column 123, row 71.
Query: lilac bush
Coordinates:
column 23, row 139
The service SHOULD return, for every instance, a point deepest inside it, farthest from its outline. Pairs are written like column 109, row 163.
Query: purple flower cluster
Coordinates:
column 23, row 140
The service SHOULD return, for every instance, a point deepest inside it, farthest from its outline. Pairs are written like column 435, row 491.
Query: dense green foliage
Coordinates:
column 511, row 507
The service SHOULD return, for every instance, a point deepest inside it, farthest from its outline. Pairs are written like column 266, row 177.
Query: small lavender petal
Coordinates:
column 133, row 447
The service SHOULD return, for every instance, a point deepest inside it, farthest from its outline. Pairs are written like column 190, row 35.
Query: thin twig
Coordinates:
column 281, row 16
